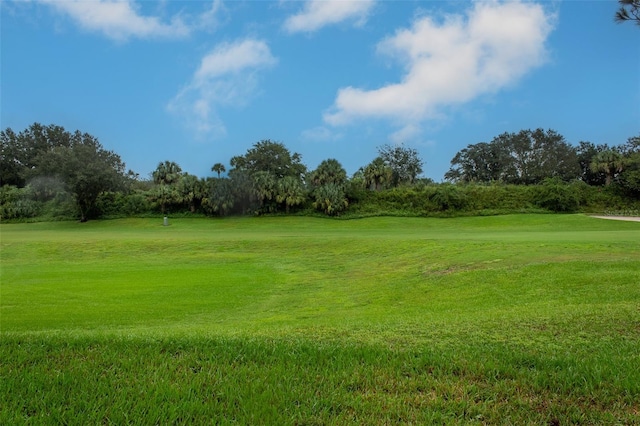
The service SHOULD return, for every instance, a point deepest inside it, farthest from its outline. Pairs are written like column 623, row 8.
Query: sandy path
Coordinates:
column 629, row 218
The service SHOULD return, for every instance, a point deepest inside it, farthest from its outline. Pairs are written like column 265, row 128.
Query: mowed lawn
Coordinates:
column 523, row 319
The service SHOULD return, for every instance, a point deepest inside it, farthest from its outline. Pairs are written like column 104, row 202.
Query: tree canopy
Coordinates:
column 218, row 168
column 328, row 171
column 586, row 151
column 610, row 162
column 46, row 169
column 167, row 173
column 405, row 163
column 329, row 185
column 20, row 153
column 527, row 157
column 85, row 167
column 377, row 174
column 481, row 162
column 629, row 11
column 629, row 177
column 271, row 157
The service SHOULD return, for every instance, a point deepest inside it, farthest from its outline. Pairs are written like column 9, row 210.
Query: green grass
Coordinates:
column 524, row 319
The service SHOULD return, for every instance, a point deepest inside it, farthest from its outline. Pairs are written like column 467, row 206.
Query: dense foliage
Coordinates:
column 40, row 155
column 49, row 173
column 527, row 157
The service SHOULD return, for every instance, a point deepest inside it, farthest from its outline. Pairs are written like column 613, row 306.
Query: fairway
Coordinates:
column 294, row 320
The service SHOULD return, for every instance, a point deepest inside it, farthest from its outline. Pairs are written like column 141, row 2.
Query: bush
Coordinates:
column 136, row 204
column 449, row 197
column 497, row 197
column 116, row 204
column 17, row 203
column 556, row 196
column 108, row 204
column 62, row 207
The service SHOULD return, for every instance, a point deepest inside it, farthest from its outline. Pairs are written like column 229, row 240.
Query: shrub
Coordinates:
column 449, row 197
column 498, row 197
column 136, row 204
column 62, row 207
column 17, row 203
column 556, row 196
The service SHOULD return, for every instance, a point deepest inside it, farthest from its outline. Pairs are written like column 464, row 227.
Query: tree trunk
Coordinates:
column 83, row 212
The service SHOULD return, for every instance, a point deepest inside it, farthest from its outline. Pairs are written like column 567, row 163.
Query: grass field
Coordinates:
column 524, row 319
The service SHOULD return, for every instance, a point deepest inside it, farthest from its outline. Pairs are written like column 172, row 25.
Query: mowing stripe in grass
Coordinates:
column 526, row 319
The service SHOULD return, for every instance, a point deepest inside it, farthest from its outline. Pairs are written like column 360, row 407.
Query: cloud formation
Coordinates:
column 227, row 76
column 320, row 13
column 320, row 134
column 121, row 20
column 210, row 19
column 450, row 63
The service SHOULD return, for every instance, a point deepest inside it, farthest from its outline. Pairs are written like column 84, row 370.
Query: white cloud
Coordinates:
column 227, row 76
column 233, row 58
column 319, row 13
column 320, row 134
column 450, row 63
column 210, row 19
column 121, row 19
column 118, row 20
column 407, row 132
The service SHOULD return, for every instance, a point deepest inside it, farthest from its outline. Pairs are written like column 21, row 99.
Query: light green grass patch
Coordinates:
column 509, row 319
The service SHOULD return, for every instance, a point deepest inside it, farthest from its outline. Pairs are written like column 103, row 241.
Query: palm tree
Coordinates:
column 221, row 198
column 377, row 174
column 290, row 192
column 164, row 175
column 191, row 190
column 329, row 171
column 330, row 199
column 609, row 162
column 165, row 194
column 218, row 168
column 264, row 184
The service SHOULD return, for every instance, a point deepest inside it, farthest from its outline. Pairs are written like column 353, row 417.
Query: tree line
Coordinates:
column 48, row 171
column 531, row 156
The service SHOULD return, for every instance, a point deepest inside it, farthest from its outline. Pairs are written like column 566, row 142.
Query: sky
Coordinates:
column 198, row 82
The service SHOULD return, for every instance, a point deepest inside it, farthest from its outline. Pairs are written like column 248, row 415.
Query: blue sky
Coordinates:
column 198, row 82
